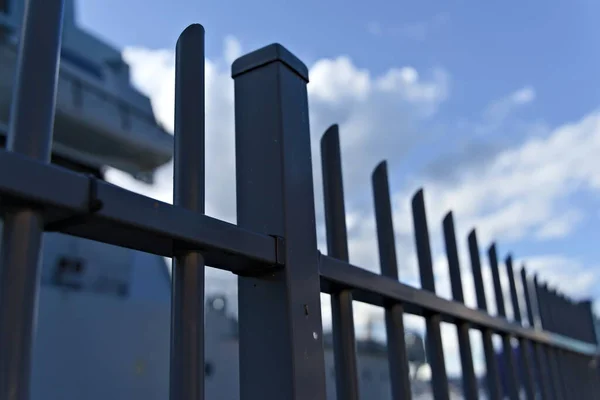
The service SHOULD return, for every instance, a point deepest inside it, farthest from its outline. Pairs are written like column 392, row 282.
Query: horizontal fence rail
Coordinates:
column 273, row 249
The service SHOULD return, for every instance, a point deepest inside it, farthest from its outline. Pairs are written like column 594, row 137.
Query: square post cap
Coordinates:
column 266, row 55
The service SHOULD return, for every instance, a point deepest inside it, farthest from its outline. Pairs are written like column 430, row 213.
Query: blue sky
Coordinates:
column 492, row 107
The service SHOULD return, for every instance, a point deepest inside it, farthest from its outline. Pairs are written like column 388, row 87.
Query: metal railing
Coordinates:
column 273, row 249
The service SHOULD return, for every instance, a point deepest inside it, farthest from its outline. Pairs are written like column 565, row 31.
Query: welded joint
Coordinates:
column 279, row 250
column 94, row 204
column 279, row 243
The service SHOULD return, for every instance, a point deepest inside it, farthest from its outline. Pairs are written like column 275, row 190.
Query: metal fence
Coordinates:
column 273, row 248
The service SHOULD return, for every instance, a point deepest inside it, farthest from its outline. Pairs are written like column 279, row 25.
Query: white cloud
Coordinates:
column 497, row 112
column 523, row 96
column 560, row 226
column 233, row 49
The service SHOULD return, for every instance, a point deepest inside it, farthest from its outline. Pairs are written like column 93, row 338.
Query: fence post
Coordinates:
column 587, row 322
column 31, row 126
column 281, row 345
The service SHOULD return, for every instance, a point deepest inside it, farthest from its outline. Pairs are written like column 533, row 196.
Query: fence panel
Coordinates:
column 272, row 249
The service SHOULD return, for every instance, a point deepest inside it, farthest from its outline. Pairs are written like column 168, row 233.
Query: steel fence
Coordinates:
column 272, row 249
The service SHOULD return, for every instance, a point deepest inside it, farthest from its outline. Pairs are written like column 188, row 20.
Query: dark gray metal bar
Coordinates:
column 344, row 339
column 556, row 374
column 187, row 294
column 435, row 350
column 492, row 373
column 512, row 380
column 587, row 322
column 559, row 359
column 573, row 382
column 553, row 374
column 524, row 346
column 131, row 220
column 476, row 269
column 530, row 351
column 544, row 371
column 470, row 388
column 30, row 135
column 394, row 311
column 281, row 346
column 514, row 297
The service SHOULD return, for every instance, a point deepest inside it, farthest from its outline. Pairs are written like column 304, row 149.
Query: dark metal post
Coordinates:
column 554, row 310
column 281, row 345
column 30, row 134
column 512, row 378
column 542, row 367
column 492, row 374
column 187, row 295
column 470, row 389
column 588, row 326
column 435, row 350
column 524, row 345
column 344, row 339
column 554, row 376
column 394, row 313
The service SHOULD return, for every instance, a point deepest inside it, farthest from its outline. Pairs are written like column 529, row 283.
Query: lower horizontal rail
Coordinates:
column 372, row 288
column 131, row 220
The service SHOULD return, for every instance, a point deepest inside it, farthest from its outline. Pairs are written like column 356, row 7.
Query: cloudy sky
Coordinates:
column 491, row 108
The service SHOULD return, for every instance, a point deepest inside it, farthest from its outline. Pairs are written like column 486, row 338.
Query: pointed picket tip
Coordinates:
column 492, row 248
column 472, row 236
column 193, row 35
column 523, row 270
column 418, row 197
column 448, row 219
column 331, row 135
column 380, row 170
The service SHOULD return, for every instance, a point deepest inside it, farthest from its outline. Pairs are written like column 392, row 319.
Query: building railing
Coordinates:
column 77, row 93
column 273, row 249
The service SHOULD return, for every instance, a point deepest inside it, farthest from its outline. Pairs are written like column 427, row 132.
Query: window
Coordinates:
column 81, row 62
column 208, row 369
column 68, row 272
column 367, row 374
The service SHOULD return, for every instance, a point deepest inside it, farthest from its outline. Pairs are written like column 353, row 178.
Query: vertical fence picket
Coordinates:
column 394, row 313
column 30, row 134
column 435, row 349
column 554, row 375
column 542, row 366
column 344, row 339
column 492, row 373
column 524, row 345
column 281, row 344
column 512, row 379
column 187, row 294
column 470, row 389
